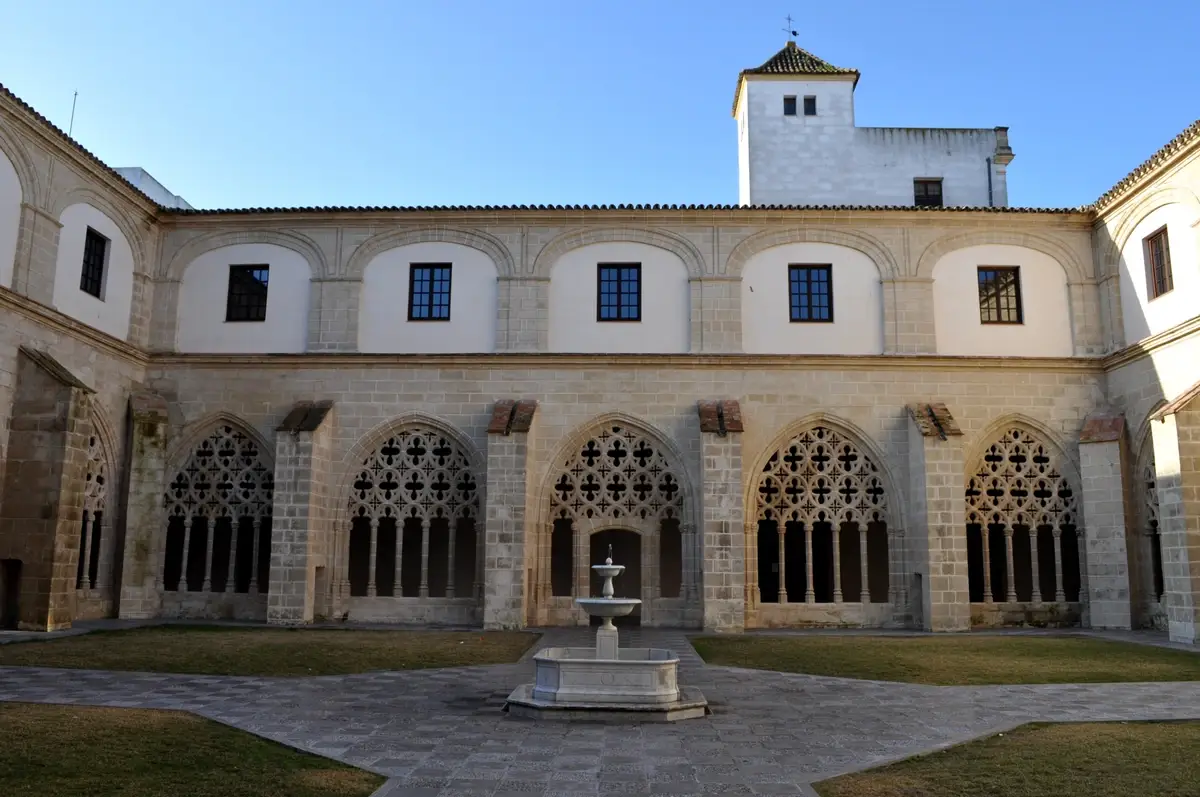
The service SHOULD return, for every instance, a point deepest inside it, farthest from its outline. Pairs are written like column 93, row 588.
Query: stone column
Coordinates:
column 716, row 314
column 145, row 513
column 523, row 320
column 333, row 314
column 42, row 510
column 1103, row 459
column 721, row 526
column 301, row 520
column 936, row 520
column 1176, row 432
column 37, row 254
column 908, row 316
column 508, row 549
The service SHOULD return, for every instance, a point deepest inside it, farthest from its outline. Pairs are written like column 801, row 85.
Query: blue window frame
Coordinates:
column 619, row 292
column 810, row 289
column 429, row 292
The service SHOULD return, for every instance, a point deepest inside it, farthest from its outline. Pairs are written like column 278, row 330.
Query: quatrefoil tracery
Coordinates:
column 95, row 486
column 416, row 473
column 821, row 476
column 617, row 473
column 1019, row 482
column 226, row 475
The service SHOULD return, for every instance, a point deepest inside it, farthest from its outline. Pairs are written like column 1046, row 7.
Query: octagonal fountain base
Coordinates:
column 690, row 704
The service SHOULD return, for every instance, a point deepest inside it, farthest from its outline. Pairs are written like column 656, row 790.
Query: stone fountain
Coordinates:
column 606, row 682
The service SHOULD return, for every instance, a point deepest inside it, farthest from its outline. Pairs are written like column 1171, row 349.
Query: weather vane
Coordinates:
column 788, row 29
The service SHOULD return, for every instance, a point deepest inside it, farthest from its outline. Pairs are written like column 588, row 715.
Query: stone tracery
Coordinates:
column 95, row 500
column 617, row 473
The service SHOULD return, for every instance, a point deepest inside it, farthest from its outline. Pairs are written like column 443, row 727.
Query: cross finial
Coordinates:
column 788, row 30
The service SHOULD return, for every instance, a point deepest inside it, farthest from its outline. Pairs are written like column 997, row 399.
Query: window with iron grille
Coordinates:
column 619, row 293
column 927, row 193
column 247, row 297
column 95, row 257
column 1000, row 295
column 429, row 292
column 789, row 106
column 811, row 291
column 810, row 106
column 1158, row 264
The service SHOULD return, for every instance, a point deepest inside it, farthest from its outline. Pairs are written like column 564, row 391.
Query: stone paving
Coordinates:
column 439, row 733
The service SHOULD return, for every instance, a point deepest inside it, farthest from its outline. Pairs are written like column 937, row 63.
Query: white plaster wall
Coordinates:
column 205, row 288
column 743, row 134
column 664, row 327
column 807, row 160
column 10, row 219
column 383, row 324
column 857, row 326
column 110, row 313
column 1142, row 317
column 1046, row 331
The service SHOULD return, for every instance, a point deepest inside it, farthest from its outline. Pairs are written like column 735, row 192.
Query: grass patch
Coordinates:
column 217, row 650
column 67, row 751
column 1100, row 759
column 955, row 660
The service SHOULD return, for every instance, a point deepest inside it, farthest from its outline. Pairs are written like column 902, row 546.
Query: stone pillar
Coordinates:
column 1102, row 461
column 1176, row 432
column 908, row 316
column 165, row 318
column 300, row 516
column 42, row 512
column 722, row 521
column 37, row 254
column 508, row 544
column 141, row 310
column 716, row 314
column 1002, row 156
column 333, row 314
column 936, row 521
column 145, row 512
column 523, row 320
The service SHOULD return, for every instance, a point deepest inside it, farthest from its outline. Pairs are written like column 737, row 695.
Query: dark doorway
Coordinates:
column 10, row 593
column 627, row 551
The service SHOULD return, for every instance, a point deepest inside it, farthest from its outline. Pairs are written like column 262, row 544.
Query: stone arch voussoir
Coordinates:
column 491, row 246
column 1113, row 244
column 868, row 245
column 174, row 267
column 125, row 222
column 1076, row 270
column 196, row 431
column 677, row 245
column 22, row 164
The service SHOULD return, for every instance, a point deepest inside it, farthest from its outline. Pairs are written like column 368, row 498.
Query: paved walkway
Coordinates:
column 438, row 733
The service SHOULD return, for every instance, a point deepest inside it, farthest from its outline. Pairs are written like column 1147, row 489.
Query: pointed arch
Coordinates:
column 297, row 242
column 1147, row 583
column 97, row 544
column 197, row 430
column 1077, row 271
column 22, row 164
column 490, row 245
column 870, row 246
column 671, row 242
column 997, row 426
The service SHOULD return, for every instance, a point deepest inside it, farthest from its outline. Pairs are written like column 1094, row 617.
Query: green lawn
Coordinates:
column 216, row 650
column 70, row 751
column 1103, row 759
column 955, row 660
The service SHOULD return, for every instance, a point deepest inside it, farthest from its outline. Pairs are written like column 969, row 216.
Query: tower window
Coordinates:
column 1158, row 264
column 247, row 297
column 811, row 292
column 810, row 106
column 789, row 106
column 95, row 257
column 1000, row 295
column 429, row 292
column 927, row 193
column 619, row 292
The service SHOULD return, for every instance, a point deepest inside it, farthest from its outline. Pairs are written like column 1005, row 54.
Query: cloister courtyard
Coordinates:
column 121, row 708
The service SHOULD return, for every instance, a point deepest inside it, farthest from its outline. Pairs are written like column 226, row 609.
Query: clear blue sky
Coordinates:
column 411, row 102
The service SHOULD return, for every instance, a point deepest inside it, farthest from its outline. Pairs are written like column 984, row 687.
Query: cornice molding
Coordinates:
column 65, row 325
column 1148, row 346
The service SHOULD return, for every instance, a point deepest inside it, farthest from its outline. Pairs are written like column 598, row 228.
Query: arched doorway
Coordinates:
column 1024, row 555
column 626, row 549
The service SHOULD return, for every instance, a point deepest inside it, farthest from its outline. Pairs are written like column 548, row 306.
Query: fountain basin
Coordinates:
column 608, row 607
column 575, row 675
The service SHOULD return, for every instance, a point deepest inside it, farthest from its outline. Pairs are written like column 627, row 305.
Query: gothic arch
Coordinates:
column 23, row 165
column 870, row 246
column 491, row 246
column 196, row 431
column 124, row 221
column 1075, row 268
column 1114, row 243
column 1146, row 575
column 985, row 437
column 677, row 245
column 201, row 244
column 97, row 544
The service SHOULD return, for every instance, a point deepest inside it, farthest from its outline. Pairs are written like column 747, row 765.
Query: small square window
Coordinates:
column 95, row 258
column 1159, row 279
column 1000, row 295
column 810, row 106
column 927, row 193
column 429, row 292
column 810, row 289
column 789, row 106
column 247, row 296
column 619, row 292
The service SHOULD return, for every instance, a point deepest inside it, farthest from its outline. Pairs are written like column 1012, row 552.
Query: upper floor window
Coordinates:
column 619, row 294
column 789, row 106
column 1158, row 264
column 1000, row 295
column 95, row 255
column 810, row 106
column 247, row 297
column 811, row 292
column 429, row 292
column 927, row 193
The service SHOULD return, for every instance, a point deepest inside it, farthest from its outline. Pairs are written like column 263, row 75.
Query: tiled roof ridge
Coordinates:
column 611, row 207
column 1188, row 135
column 6, row 92
column 792, row 60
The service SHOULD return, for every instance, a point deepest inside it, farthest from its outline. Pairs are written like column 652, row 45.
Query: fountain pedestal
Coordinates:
column 605, row 681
